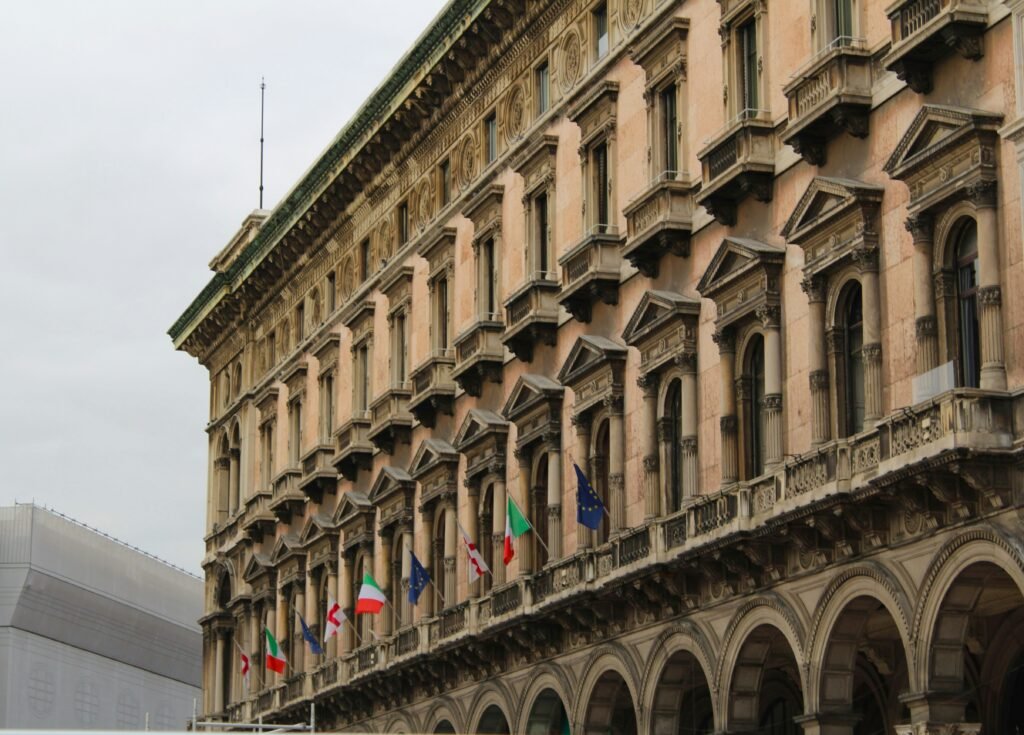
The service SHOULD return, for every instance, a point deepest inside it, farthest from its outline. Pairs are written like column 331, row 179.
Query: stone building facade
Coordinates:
column 754, row 266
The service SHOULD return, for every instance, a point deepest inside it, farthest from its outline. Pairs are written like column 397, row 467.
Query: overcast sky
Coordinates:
column 129, row 142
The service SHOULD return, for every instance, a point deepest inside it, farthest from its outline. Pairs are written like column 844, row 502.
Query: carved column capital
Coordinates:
column 522, row 456
column 728, row 424
column 866, row 259
column 818, row 380
column 990, row 295
column 686, row 361
column 651, row 463
column 769, row 315
column 872, row 353
column 613, row 403
column 648, row 383
column 814, row 286
column 581, row 422
column 982, row 193
column 920, row 227
column 725, row 338
column 925, row 326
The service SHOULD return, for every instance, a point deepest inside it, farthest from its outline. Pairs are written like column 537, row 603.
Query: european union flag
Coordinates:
column 418, row 579
column 314, row 646
column 589, row 507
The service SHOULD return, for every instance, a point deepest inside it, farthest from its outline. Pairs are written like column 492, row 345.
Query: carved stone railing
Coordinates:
column 287, row 496
column 453, row 620
column 555, row 579
column 633, row 547
column 831, row 94
column 407, row 641
column 293, row 687
column 737, row 162
column 366, row 658
column 531, row 316
column 676, row 530
column 479, row 355
column 353, row 448
column 659, row 221
column 258, row 519
column 433, row 387
column 591, row 270
column 925, row 31
column 713, row 512
column 318, row 474
column 326, row 675
column 506, row 599
column 390, row 418
column 266, row 700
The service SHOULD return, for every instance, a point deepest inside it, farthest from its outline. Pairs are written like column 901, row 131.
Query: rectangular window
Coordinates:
column 446, row 182
column 542, row 82
column 601, row 30
column 600, row 174
column 300, row 323
column 669, row 132
column 295, row 438
column 842, row 13
column 327, row 423
column 332, row 291
column 488, row 286
column 441, row 315
column 364, row 259
column 363, row 378
column 400, row 349
column 271, row 350
column 268, row 454
column 491, row 135
column 540, row 235
column 747, row 34
column 403, row 223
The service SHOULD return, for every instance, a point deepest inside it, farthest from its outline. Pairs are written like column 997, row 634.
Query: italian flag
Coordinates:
column 275, row 658
column 371, row 598
column 515, row 526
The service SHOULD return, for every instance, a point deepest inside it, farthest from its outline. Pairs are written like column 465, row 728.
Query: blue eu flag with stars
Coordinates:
column 314, row 645
column 589, row 507
column 418, row 579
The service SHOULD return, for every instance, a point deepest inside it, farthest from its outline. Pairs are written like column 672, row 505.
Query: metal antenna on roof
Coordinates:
column 263, row 86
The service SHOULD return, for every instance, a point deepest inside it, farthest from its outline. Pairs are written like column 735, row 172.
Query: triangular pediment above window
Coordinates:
column 825, row 202
column 316, row 526
column 259, row 564
column 353, row 505
column 389, row 481
column 529, row 391
column 736, row 259
column 431, row 454
column 287, row 545
column 934, row 129
column 588, row 354
column 478, row 424
column 658, row 310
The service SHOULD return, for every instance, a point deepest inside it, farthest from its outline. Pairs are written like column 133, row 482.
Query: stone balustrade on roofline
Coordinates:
column 943, row 462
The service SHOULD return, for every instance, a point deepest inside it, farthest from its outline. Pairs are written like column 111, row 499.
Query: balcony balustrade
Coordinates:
column 390, row 418
column 479, row 355
column 433, row 388
column 831, row 94
column 531, row 316
column 659, row 222
column 318, row 474
column 591, row 271
column 925, row 31
column 736, row 162
column 287, row 498
column 353, row 449
column 259, row 520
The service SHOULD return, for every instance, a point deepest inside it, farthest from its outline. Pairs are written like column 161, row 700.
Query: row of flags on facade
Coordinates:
column 371, row 599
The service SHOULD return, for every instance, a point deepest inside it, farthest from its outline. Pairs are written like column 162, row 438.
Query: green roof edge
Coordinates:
column 379, row 101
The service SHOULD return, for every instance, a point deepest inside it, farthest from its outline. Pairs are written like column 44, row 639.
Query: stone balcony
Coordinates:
column 829, row 95
column 659, row 222
column 531, row 316
column 259, row 520
column 319, row 476
column 925, row 31
column 390, row 418
column 737, row 162
column 287, row 498
column 947, row 461
column 591, row 271
column 433, row 388
column 353, row 450
column 479, row 355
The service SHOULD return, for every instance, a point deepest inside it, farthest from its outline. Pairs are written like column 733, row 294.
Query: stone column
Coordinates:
column 920, row 228
column 498, row 503
column 405, row 616
column 472, row 528
column 345, row 600
column 867, row 262
column 990, row 295
column 726, row 341
column 233, row 480
column 310, row 611
column 272, row 626
column 386, row 582
column 432, row 561
column 648, row 384
column 525, row 550
column 218, row 673
column 688, row 395
column 769, row 316
column 814, row 287
column 554, row 500
column 451, row 532
column 584, row 536
column 616, row 463
column 332, row 592
column 251, row 647
column 299, row 664
column 281, row 620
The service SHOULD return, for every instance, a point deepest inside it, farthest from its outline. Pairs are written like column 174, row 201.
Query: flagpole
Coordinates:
column 295, row 610
column 532, row 527
column 283, row 658
column 603, row 506
column 242, row 651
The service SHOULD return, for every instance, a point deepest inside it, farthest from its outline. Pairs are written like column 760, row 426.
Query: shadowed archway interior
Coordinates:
column 548, row 716
column 682, row 700
column 493, row 722
column 445, row 727
column 610, row 709
column 765, row 693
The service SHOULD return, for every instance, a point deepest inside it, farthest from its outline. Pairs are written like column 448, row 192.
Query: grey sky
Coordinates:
column 128, row 156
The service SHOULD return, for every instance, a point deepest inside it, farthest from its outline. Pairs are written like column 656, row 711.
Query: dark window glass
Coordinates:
column 364, row 378
column 674, row 415
column 755, row 431
column 601, row 184
column 403, row 223
column 490, row 276
column 491, row 130
column 969, row 348
column 442, row 313
column 543, row 84
column 540, row 205
column 669, row 124
column 748, row 64
column 400, row 348
column 300, row 323
column 446, row 182
column 364, row 259
column 842, row 12
column 853, row 338
column 331, row 292
column 601, row 30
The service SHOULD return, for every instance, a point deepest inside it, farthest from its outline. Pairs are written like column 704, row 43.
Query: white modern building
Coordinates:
column 93, row 634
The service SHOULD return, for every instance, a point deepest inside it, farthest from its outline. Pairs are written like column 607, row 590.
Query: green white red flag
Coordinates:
column 275, row 657
column 371, row 597
column 515, row 526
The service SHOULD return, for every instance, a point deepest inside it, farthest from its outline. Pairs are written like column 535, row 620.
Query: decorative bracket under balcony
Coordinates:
column 258, row 519
column 354, row 451
column 925, row 31
column 591, row 272
column 479, row 356
column 318, row 475
column 828, row 96
column 391, row 421
column 287, row 496
column 738, row 162
column 532, row 317
column 659, row 221
column 433, row 389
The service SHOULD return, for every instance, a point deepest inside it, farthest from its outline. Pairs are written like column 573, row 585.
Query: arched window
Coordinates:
column 539, row 511
column 673, row 413
column 227, row 665
column 601, row 481
column 851, row 382
column 234, row 470
column 292, row 634
column 968, row 341
column 321, row 607
column 223, row 479
column 438, row 572
column 363, row 621
column 486, row 543
column 753, row 429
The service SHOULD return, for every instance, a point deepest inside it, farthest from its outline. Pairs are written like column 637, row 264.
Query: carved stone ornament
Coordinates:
column 572, row 60
column 515, row 113
column 467, row 161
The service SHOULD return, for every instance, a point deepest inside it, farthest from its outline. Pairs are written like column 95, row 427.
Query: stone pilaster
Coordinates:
column 648, row 383
column 814, row 287
column 451, row 533
column 554, row 539
column 498, row 508
column 769, row 316
column 525, row 550
column 726, row 341
column 584, row 536
column 688, row 395
column 990, row 298
column 867, row 261
column 920, row 227
column 616, row 464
